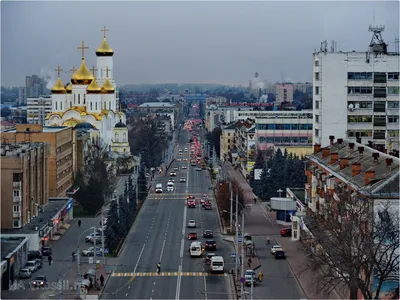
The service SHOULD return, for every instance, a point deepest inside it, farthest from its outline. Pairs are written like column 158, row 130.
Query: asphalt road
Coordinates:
column 160, row 235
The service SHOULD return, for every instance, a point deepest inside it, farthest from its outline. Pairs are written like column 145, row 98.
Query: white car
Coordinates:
column 186, row 150
column 90, row 251
column 25, row 273
column 192, row 224
column 31, row 265
column 182, row 179
column 172, row 174
column 198, row 169
column 89, row 238
column 176, row 169
column 275, row 248
column 184, row 167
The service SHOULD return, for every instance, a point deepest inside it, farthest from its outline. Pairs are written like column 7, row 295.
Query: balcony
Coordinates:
column 16, row 214
column 17, row 199
column 17, row 184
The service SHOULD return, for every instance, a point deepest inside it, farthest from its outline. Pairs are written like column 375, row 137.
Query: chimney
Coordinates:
column 325, row 152
column 369, row 176
column 351, row 147
column 332, row 137
column 344, row 162
column 355, row 169
column 334, row 157
column 361, row 150
column 340, row 141
column 389, row 162
column 375, row 156
column 317, row 148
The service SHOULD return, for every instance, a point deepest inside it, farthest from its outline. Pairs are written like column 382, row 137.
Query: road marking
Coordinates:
column 205, row 288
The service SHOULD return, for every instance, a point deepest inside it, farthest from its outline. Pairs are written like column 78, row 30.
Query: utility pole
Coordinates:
column 78, row 262
column 237, row 234
column 252, row 287
column 102, row 237
column 231, row 212
column 242, row 254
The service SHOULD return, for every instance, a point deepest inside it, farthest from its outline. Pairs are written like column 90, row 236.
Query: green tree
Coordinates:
column 113, row 233
column 142, row 185
column 258, row 164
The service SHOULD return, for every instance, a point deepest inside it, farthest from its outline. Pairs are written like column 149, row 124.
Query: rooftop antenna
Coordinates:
column 377, row 45
column 396, row 45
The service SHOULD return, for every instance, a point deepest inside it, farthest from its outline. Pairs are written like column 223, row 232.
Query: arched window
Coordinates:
column 96, row 105
column 56, row 106
column 117, row 137
column 74, row 98
column 91, row 105
column 61, row 106
column 70, row 104
column 109, row 105
column 124, row 137
column 84, row 98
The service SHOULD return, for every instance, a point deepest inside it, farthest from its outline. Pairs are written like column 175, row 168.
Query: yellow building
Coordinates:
column 227, row 141
column 120, row 142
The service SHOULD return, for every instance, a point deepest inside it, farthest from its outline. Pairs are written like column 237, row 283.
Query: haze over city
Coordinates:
column 204, row 42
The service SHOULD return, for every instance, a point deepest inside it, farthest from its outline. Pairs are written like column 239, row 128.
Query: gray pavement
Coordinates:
column 160, row 235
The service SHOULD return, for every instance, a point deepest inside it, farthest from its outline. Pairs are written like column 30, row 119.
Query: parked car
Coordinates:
column 46, row 251
column 280, row 254
column 34, row 255
column 39, row 281
column 38, row 262
column 25, row 273
column 286, row 232
column 89, row 238
column 31, row 265
column 90, row 251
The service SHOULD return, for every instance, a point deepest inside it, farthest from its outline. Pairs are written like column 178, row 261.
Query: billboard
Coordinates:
column 257, row 174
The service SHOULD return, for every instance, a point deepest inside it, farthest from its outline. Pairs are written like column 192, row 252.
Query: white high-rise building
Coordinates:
column 356, row 94
column 37, row 109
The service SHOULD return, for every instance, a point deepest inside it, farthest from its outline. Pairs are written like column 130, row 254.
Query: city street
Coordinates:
column 160, row 235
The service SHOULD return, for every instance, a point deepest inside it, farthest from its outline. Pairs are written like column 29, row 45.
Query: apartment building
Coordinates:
column 24, row 181
column 38, row 109
column 290, row 130
column 227, row 141
column 356, row 95
column 62, row 152
column 161, row 108
column 284, row 93
column 245, row 143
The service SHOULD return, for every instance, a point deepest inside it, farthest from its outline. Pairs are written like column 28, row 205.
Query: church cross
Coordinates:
column 83, row 48
column 73, row 69
column 93, row 70
column 107, row 69
column 58, row 70
column 104, row 31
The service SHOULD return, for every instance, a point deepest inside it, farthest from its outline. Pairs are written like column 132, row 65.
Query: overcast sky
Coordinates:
column 215, row 42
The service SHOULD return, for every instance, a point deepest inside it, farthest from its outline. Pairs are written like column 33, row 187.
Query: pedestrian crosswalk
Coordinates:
column 170, row 274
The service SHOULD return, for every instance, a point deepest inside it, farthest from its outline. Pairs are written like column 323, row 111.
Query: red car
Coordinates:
column 207, row 207
column 192, row 236
column 286, row 232
column 191, row 203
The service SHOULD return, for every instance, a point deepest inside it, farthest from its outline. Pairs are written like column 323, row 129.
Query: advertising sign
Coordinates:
column 257, row 174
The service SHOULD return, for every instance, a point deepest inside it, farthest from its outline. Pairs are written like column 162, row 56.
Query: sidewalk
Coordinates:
column 259, row 223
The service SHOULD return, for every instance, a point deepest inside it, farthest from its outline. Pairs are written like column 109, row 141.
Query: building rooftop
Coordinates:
column 16, row 149
column 45, row 128
column 9, row 244
column 383, row 168
column 156, row 105
column 45, row 215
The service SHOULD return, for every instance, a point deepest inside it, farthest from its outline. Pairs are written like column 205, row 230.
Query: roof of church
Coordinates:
column 120, row 124
column 84, row 125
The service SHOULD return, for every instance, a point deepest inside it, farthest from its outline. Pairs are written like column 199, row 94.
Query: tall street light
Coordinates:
column 78, row 261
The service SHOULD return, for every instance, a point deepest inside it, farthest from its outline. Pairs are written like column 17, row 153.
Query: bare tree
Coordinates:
column 350, row 248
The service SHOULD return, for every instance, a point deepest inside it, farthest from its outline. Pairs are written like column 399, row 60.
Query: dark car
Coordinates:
column 46, row 251
column 32, row 255
column 211, row 245
column 286, row 232
column 207, row 260
column 280, row 255
column 39, row 281
column 208, row 234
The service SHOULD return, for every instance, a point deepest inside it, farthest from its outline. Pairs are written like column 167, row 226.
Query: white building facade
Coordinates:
column 356, row 95
column 38, row 109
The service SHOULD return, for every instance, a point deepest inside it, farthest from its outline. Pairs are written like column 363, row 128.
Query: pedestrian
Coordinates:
column 79, row 223
column 260, row 276
column 50, row 260
column 255, row 200
column 158, row 268
column 91, row 282
column 249, row 262
column 102, row 280
column 73, row 255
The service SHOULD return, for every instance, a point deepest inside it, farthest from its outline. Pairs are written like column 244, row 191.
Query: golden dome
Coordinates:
column 104, row 49
column 98, row 117
column 82, row 75
column 58, row 88
column 71, row 122
column 69, row 88
column 107, row 87
column 93, row 87
column 83, row 113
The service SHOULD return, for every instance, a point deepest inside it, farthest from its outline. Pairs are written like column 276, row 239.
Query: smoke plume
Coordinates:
column 257, row 83
column 48, row 76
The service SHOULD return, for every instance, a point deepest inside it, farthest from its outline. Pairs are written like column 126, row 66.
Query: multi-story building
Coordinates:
column 356, row 94
column 164, row 124
column 24, row 181
column 303, row 87
column 34, row 87
column 227, row 141
column 161, row 108
column 290, row 130
column 38, row 109
column 284, row 93
column 245, row 143
column 61, row 156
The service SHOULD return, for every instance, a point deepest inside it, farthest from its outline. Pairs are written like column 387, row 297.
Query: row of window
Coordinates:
column 377, row 76
column 365, row 90
column 91, row 105
column 284, row 140
column 378, row 120
column 284, row 126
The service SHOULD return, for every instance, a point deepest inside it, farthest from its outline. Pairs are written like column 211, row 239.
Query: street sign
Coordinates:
column 239, row 241
column 233, row 254
column 105, row 250
column 242, row 280
column 90, row 260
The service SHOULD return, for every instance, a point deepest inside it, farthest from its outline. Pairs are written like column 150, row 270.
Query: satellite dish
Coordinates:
column 351, row 106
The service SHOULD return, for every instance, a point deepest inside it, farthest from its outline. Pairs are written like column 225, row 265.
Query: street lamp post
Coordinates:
column 78, row 262
column 231, row 214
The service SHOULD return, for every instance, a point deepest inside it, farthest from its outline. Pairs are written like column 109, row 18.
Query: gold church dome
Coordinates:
column 93, row 88
column 58, row 88
column 104, row 49
column 107, row 87
column 82, row 75
column 69, row 88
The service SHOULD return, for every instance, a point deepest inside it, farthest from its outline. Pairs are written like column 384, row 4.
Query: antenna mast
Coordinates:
column 377, row 44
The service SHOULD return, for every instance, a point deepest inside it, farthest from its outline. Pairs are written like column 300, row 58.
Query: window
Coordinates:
column 124, row 137
column 393, row 90
column 379, row 134
column 379, row 106
column 16, row 193
column 229, row 140
column 317, row 90
column 116, row 137
column 393, row 75
column 359, row 75
column 393, row 133
column 109, row 105
column 74, row 99
column 229, row 134
column 379, row 92
column 359, row 90
column 359, row 133
column 316, row 119
column 379, row 121
column 56, row 105
column 316, row 104
column 359, row 119
column 91, row 105
column 379, row 77
column 96, row 105
column 316, row 132
column 317, row 63
column 316, row 75
column 61, row 106
column 393, row 119
column 79, row 99
column 84, row 98
column 16, row 208
column 393, row 104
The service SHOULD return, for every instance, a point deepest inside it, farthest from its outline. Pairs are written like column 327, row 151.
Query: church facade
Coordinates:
column 91, row 100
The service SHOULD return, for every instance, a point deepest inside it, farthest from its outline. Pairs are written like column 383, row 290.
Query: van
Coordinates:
column 159, row 189
column 217, row 264
column 195, row 249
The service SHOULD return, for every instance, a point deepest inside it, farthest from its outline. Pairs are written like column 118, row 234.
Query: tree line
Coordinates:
column 280, row 171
